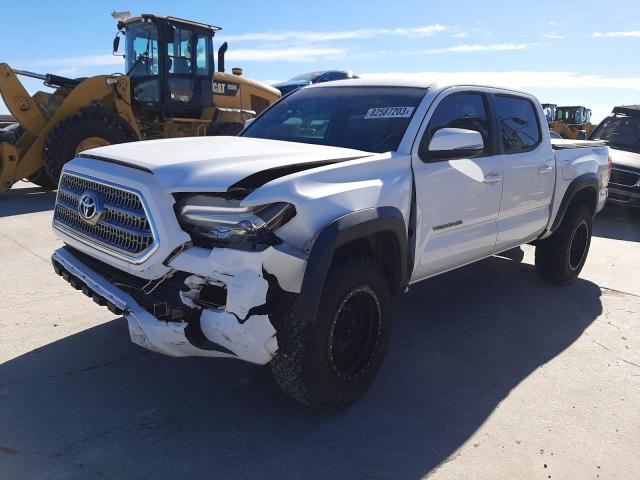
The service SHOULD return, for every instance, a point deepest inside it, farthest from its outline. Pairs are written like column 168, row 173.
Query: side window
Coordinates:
column 459, row 110
column 202, row 56
column 519, row 124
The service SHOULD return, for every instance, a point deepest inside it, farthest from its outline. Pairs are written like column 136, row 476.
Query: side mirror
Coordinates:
column 248, row 122
column 116, row 44
column 455, row 143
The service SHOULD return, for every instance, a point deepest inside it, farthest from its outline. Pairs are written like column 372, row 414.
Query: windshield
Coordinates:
column 373, row 119
column 142, row 50
column 619, row 131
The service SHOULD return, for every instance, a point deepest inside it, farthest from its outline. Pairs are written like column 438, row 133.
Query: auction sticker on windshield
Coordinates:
column 389, row 112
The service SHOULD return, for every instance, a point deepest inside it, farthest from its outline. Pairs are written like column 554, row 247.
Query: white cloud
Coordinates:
column 459, row 35
column 629, row 33
column 310, row 36
column 519, row 79
column 492, row 47
column 294, row 54
column 552, row 36
column 82, row 61
column 76, row 65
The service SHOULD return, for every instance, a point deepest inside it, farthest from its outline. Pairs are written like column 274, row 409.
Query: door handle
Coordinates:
column 489, row 179
column 544, row 170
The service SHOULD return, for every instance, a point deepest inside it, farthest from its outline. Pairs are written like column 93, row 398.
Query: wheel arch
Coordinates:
column 582, row 189
column 365, row 232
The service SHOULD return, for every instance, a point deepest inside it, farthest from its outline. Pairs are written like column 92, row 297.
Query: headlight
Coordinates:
column 222, row 220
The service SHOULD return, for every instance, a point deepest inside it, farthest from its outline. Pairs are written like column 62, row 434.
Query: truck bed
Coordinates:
column 558, row 144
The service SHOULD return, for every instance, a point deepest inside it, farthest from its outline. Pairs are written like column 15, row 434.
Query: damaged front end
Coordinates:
column 194, row 274
column 213, row 303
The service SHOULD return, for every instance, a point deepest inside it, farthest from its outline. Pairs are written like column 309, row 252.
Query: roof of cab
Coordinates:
column 161, row 18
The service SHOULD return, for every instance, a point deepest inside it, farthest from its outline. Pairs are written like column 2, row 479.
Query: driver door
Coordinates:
column 458, row 198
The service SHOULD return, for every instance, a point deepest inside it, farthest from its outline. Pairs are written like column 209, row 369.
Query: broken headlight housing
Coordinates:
column 217, row 220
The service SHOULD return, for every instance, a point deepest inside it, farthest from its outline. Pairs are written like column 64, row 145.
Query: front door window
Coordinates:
column 142, row 61
column 180, row 54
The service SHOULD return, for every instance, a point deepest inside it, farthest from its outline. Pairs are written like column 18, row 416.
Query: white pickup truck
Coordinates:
column 285, row 245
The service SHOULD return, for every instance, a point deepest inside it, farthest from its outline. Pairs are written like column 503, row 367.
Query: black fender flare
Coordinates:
column 359, row 224
column 581, row 182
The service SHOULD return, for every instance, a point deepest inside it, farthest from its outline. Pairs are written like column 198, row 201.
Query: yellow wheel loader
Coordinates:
column 171, row 89
column 569, row 122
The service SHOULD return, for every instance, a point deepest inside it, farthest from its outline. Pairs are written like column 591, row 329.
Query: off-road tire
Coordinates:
column 302, row 367
column 560, row 258
column 63, row 140
column 231, row 129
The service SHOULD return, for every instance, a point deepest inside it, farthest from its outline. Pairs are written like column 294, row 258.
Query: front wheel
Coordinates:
column 329, row 361
column 560, row 258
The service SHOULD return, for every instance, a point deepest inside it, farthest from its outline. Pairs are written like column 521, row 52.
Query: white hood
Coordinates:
column 200, row 164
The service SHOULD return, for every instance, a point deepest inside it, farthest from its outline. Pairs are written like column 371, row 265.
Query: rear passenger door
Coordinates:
column 529, row 171
column 458, row 199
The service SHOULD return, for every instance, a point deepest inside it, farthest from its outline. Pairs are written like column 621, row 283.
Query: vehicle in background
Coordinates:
column 555, row 135
column 170, row 89
column 573, row 115
column 310, row 78
column 285, row 245
column 573, row 122
column 6, row 120
column 621, row 132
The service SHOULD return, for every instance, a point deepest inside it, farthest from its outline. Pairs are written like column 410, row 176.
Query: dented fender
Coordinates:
column 242, row 272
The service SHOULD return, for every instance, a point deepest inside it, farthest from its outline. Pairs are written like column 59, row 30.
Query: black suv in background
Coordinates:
column 306, row 79
column 621, row 132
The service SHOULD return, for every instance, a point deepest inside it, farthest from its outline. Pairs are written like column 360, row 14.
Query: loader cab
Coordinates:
column 170, row 64
column 574, row 115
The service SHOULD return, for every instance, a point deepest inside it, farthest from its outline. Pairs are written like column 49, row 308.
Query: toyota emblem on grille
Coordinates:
column 90, row 208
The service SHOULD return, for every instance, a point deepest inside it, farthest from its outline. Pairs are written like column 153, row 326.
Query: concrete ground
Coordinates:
column 490, row 374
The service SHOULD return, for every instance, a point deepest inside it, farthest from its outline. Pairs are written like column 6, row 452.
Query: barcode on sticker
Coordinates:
column 389, row 112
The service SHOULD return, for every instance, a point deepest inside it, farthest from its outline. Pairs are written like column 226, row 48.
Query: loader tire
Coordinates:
column 41, row 179
column 91, row 128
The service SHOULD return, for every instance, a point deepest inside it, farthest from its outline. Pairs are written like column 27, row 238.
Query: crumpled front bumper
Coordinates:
column 253, row 340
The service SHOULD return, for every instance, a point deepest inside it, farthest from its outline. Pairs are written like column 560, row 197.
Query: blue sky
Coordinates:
column 571, row 52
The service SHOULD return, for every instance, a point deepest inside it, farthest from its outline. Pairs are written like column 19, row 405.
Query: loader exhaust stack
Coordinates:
column 221, row 52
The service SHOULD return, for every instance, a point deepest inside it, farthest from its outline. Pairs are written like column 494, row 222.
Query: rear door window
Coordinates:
column 520, row 130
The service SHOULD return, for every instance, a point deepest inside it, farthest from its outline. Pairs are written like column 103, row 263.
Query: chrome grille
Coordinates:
column 623, row 177
column 122, row 227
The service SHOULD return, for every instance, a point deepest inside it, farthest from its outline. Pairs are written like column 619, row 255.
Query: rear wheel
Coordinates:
column 329, row 361
column 85, row 130
column 560, row 258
